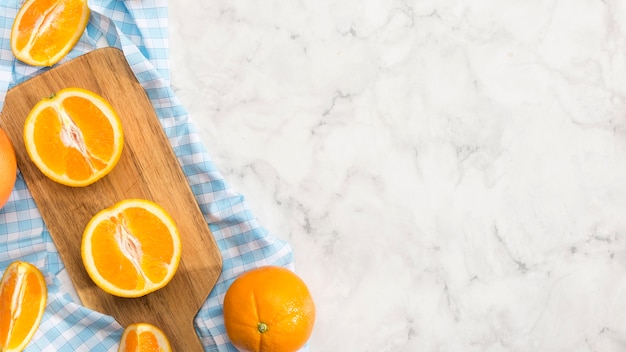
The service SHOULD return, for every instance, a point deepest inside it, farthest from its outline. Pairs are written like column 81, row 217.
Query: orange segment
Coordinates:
column 23, row 295
column 144, row 337
column 74, row 137
column 44, row 31
column 132, row 248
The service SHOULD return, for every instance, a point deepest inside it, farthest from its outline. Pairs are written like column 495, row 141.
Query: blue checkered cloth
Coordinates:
column 140, row 29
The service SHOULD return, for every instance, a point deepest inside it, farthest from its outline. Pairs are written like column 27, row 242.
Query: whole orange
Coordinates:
column 8, row 168
column 269, row 309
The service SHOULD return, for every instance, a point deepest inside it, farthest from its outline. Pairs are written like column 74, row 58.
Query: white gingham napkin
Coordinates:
column 140, row 29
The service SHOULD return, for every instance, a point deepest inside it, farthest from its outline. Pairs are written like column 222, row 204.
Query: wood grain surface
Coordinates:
column 148, row 169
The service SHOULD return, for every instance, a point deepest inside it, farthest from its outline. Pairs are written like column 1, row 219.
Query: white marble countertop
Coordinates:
column 450, row 174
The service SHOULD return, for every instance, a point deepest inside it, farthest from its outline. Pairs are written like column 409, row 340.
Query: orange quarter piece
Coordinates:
column 23, row 296
column 44, row 31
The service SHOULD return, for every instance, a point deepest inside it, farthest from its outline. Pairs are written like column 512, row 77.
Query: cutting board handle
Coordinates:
column 188, row 333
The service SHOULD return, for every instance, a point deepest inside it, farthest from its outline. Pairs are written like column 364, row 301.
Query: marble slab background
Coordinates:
column 450, row 174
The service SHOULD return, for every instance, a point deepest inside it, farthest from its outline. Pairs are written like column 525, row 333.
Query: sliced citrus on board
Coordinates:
column 44, row 31
column 8, row 168
column 23, row 296
column 132, row 248
column 74, row 137
column 268, row 309
column 144, row 337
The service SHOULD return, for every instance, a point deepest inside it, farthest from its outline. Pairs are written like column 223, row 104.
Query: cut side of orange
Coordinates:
column 74, row 137
column 132, row 248
column 44, row 31
column 23, row 296
column 144, row 337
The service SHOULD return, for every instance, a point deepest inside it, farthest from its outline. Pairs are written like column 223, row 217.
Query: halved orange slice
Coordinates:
column 144, row 337
column 74, row 137
column 132, row 248
column 44, row 31
column 23, row 296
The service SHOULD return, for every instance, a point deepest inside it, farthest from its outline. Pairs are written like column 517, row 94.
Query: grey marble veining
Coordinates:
column 450, row 174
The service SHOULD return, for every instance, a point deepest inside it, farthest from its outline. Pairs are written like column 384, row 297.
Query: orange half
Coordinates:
column 74, row 137
column 23, row 296
column 44, row 31
column 132, row 248
column 144, row 337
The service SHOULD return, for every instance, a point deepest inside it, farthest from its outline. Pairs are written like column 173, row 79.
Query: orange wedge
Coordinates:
column 44, row 31
column 23, row 295
column 74, row 137
column 132, row 248
column 144, row 337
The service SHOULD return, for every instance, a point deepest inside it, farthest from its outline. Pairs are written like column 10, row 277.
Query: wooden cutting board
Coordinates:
column 147, row 169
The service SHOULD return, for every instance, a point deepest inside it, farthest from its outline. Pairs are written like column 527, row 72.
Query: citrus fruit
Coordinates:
column 44, row 31
column 8, row 168
column 23, row 295
column 74, row 137
column 132, row 248
column 144, row 337
column 268, row 309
